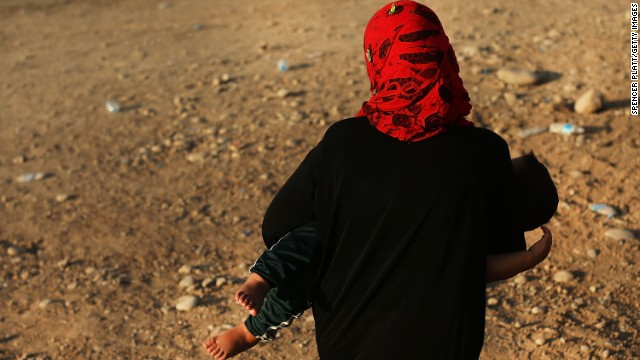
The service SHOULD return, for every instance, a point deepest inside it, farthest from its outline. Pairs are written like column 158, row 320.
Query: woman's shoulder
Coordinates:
column 346, row 126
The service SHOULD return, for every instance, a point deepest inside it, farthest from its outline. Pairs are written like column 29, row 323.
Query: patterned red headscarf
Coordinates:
column 416, row 90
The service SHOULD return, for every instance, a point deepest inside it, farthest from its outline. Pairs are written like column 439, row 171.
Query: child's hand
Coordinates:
column 540, row 250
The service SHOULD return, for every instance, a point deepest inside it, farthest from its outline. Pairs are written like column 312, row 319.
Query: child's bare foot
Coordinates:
column 252, row 293
column 230, row 343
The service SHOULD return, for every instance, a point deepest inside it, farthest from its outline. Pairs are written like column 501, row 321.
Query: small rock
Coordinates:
column 520, row 279
column 186, row 282
column 589, row 102
column 19, row 159
column 510, row 98
column 187, row 303
column 184, row 269
column 197, row 157
column 538, row 310
column 15, row 250
column 584, row 348
column 44, row 303
column 225, row 78
column 220, row 281
column 207, row 281
column 619, row 234
column 605, row 354
column 539, row 341
column 563, row 276
column 492, row 301
column 62, row 198
column 283, row 93
column 517, row 76
column 592, row 253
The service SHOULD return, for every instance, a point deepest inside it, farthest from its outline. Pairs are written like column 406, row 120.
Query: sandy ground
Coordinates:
column 93, row 252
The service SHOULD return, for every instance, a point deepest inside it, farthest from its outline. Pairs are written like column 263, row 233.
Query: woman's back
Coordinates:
column 405, row 229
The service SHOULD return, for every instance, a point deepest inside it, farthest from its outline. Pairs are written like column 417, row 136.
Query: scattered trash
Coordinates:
column 112, row 106
column 282, row 65
column 604, row 209
column 29, row 177
column 565, row 128
column 532, row 131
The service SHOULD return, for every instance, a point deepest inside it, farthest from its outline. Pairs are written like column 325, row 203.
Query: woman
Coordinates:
column 409, row 200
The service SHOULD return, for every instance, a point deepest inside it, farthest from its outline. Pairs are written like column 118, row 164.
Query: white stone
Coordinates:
column 187, row 303
column 62, row 198
column 537, row 310
column 15, row 250
column 207, row 281
column 539, row 341
column 592, row 253
column 196, row 157
column 492, row 301
column 619, row 234
column 186, row 282
column 589, row 102
column 283, row 93
column 517, row 76
column 520, row 279
column 220, row 281
column 184, row 269
column 563, row 276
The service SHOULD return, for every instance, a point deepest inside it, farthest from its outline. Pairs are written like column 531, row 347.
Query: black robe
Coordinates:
column 405, row 229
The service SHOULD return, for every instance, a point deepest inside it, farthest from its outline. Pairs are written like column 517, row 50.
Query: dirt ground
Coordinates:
column 129, row 203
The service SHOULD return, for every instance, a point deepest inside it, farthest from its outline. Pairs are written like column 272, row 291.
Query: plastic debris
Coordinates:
column 29, row 177
column 112, row 106
column 532, row 131
column 282, row 65
column 604, row 209
column 565, row 129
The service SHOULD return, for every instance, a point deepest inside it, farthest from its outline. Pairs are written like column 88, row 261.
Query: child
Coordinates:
column 284, row 274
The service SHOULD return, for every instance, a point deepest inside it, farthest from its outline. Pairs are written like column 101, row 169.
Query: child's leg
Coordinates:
column 293, row 253
column 230, row 342
column 282, row 304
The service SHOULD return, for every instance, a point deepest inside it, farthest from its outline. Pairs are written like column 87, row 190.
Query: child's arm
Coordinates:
column 504, row 266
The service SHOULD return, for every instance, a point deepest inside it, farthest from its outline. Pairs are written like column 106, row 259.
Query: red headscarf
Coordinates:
column 416, row 90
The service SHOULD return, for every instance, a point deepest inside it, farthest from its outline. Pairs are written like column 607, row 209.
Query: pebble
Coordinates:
column 184, row 269
column 619, row 234
column 563, row 276
column 220, row 281
column 589, row 102
column 44, row 303
column 186, row 281
column 592, row 253
column 283, row 93
column 539, row 341
column 517, row 76
column 538, row 310
column 510, row 98
column 187, row 303
column 62, row 198
column 19, row 159
column 197, row 157
column 520, row 279
column 15, row 250
column 225, row 78
column 207, row 281
column 492, row 301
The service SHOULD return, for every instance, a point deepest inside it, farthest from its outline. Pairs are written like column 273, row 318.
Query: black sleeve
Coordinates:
column 294, row 204
column 506, row 234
